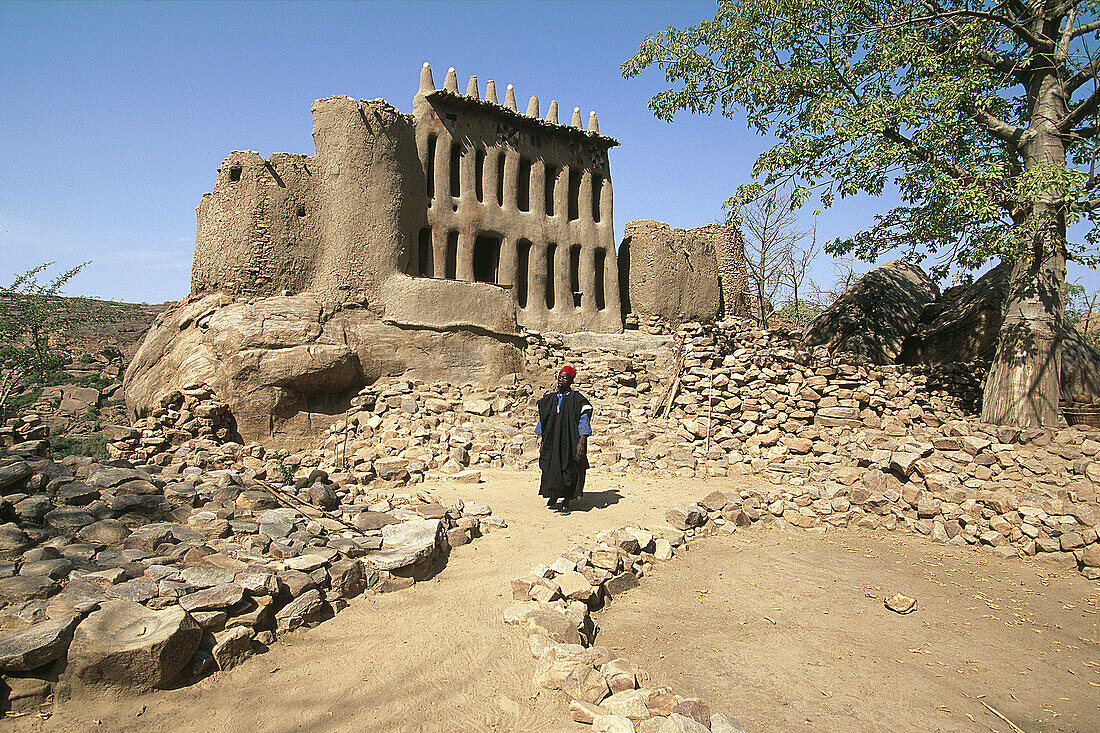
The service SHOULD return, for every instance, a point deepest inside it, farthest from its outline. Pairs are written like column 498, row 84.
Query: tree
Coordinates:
column 793, row 273
column 983, row 113
column 34, row 325
column 768, row 227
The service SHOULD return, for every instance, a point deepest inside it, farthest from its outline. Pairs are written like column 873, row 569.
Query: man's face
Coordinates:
column 565, row 379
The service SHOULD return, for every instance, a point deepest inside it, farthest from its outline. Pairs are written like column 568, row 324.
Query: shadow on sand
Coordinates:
column 595, row 500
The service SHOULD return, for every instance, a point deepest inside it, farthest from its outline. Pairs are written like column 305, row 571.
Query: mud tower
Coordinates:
column 421, row 217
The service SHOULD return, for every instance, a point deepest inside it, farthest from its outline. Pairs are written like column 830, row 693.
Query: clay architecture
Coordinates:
column 416, row 215
column 418, row 245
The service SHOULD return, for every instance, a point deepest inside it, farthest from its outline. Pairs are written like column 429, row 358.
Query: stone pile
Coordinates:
column 938, row 507
column 132, row 578
column 608, row 692
column 182, row 416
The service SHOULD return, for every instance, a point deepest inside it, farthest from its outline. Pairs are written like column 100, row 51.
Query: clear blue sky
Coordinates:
column 114, row 117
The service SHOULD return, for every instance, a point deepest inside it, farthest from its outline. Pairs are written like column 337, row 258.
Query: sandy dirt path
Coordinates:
column 788, row 631
column 434, row 657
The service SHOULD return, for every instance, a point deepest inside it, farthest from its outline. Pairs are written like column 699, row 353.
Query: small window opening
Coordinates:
column 523, row 185
column 500, row 179
column 234, row 173
column 430, row 172
column 479, row 175
column 575, row 274
column 597, row 186
column 301, row 210
column 601, row 263
column 486, row 258
column 574, row 195
column 451, row 266
column 551, row 179
column 551, row 251
column 425, row 255
column 456, row 177
column 523, row 266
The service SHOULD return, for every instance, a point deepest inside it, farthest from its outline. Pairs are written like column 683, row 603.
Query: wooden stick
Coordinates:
column 990, row 708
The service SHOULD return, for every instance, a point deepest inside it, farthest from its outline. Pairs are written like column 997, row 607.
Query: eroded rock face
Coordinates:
column 285, row 364
column 875, row 316
column 130, row 648
column 963, row 324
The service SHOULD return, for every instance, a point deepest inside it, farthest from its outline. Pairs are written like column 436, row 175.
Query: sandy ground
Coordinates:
column 788, row 631
column 436, row 657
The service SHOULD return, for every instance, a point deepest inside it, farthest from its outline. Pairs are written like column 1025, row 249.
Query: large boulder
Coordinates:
column 286, row 364
column 130, row 649
column 1080, row 366
column 410, row 548
column 874, row 316
column 963, row 324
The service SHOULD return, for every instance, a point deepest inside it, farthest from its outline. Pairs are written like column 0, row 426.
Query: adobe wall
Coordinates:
column 682, row 275
column 519, row 201
column 332, row 223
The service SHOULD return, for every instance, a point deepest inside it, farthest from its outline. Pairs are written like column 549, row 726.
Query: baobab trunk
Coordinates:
column 1024, row 381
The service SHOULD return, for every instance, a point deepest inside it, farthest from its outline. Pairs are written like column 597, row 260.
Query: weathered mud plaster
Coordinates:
column 462, row 189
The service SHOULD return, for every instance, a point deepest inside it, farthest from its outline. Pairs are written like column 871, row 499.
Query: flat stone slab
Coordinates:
column 37, row 645
column 407, row 543
column 129, row 648
column 213, row 599
column 27, row 587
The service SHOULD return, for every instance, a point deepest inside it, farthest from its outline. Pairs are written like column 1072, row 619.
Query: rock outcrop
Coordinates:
column 873, row 318
column 285, row 365
column 963, row 324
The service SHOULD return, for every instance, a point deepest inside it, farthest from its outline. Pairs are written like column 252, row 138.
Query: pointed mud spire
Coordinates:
column 451, row 82
column 471, row 88
column 533, row 108
column 491, row 91
column 552, row 113
column 593, row 123
column 510, row 99
column 427, row 84
column 577, row 118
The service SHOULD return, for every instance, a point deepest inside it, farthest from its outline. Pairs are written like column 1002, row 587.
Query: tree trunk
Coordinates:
column 1024, row 381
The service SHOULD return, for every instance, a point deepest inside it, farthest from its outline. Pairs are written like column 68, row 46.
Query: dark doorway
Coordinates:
column 574, row 195
column 551, row 252
column 601, row 263
column 451, row 266
column 456, row 168
column 523, row 267
column 486, row 258
column 597, row 187
column 425, row 254
column 430, row 172
column 551, row 179
column 575, row 274
column 523, row 185
column 479, row 175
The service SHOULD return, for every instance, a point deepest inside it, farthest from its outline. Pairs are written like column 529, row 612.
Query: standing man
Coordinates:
column 565, row 422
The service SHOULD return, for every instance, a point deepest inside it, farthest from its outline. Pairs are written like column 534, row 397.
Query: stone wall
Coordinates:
column 337, row 223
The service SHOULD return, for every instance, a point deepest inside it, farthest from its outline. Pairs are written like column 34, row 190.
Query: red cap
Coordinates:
column 569, row 370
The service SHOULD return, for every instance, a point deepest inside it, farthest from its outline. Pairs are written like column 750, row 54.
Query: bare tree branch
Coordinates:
column 1081, row 112
column 1003, row 131
column 1086, row 73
